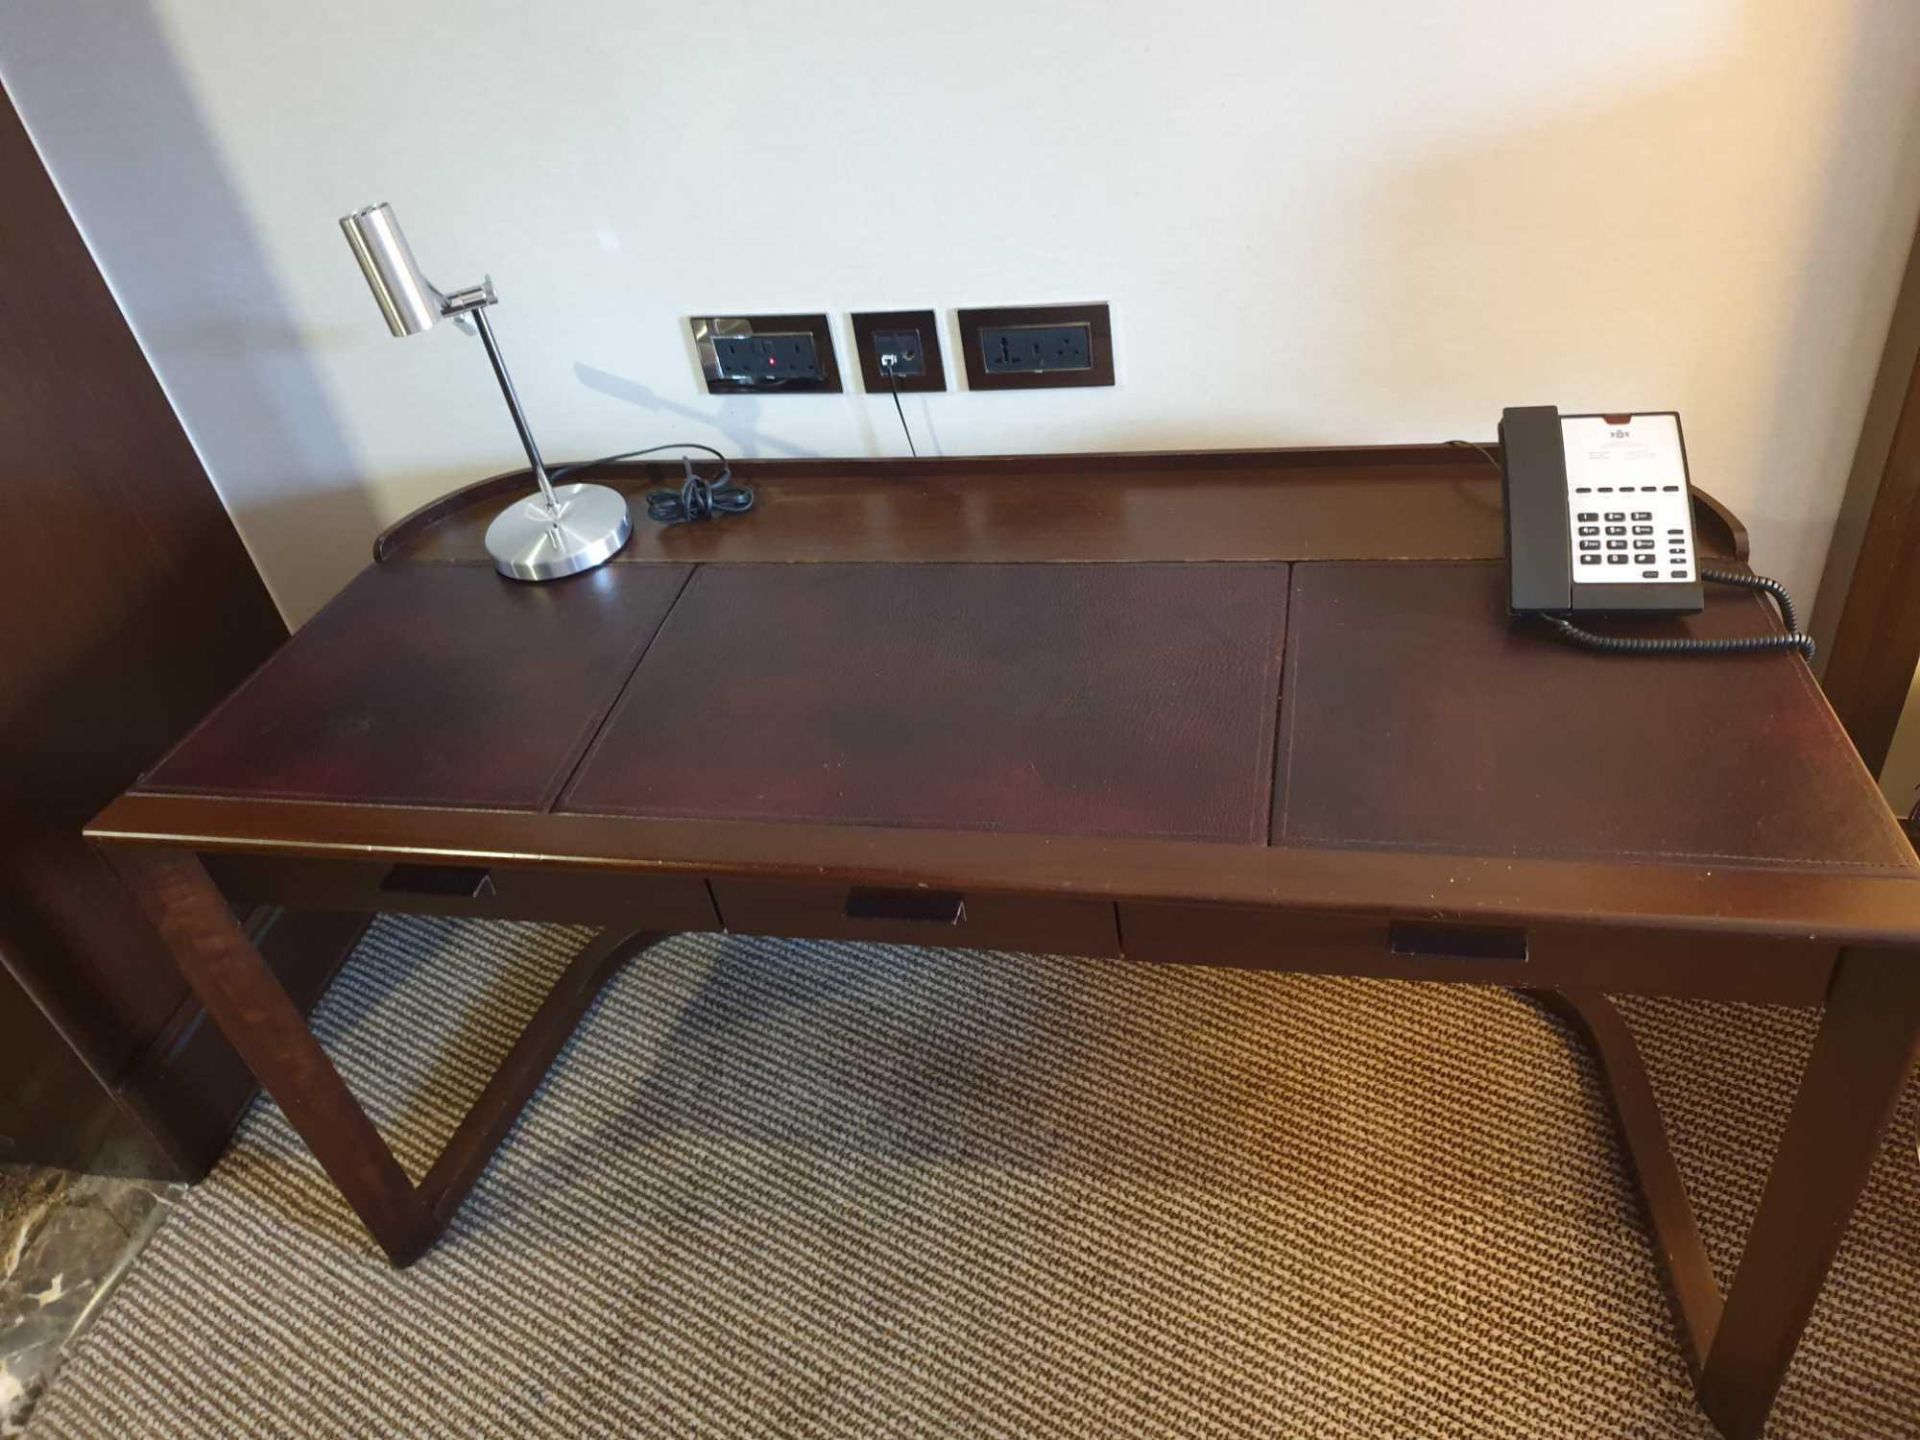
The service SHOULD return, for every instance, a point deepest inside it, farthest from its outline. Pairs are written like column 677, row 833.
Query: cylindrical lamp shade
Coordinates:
column 406, row 299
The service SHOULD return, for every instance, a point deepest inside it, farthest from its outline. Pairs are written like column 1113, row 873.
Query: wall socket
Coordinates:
column 901, row 352
column 759, row 358
column 1035, row 349
column 766, row 354
column 912, row 337
column 1031, row 347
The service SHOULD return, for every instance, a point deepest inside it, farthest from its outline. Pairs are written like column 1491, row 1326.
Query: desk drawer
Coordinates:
column 1723, row 967
column 670, row 903
column 918, row 917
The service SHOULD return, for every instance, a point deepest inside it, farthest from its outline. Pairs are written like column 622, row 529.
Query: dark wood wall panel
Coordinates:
column 127, row 606
column 1876, row 642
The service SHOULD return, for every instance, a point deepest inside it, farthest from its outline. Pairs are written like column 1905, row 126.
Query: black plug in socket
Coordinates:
column 912, row 338
column 901, row 351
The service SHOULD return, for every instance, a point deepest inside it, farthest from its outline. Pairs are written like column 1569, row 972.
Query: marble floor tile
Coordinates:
column 65, row 1240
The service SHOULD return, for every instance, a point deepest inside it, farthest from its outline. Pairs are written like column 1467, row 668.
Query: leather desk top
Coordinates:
column 1329, row 701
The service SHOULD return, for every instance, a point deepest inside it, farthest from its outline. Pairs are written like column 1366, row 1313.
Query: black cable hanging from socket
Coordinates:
column 893, row 379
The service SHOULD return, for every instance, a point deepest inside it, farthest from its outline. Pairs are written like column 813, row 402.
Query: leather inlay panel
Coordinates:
column 1416, row 716
column 1135, row 700
column 431, row 685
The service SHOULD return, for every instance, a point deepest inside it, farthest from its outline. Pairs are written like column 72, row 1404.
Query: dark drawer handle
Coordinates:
column 930, row 907
column 1458, row 942
column 467, row 882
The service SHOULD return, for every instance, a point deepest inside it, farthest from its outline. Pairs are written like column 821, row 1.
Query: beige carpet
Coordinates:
column 778, row 1189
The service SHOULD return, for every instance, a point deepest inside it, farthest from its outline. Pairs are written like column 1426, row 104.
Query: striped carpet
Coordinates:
column 794, row 1189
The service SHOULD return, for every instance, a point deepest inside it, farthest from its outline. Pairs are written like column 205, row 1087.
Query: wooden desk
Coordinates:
column 1258, row 709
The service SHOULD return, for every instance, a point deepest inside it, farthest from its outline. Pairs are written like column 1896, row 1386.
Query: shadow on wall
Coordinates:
column 738, row 420
column 166, row 224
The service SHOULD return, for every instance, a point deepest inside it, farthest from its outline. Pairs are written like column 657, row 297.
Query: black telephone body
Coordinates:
column 1599, row 516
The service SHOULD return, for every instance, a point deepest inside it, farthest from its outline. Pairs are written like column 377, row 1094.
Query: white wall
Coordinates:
column 1316, row 222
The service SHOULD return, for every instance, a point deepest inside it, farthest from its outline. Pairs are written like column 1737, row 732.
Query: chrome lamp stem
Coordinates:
column 478, row 314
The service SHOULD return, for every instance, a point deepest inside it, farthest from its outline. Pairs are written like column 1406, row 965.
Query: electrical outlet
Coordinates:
column 767, row 357
column 912, row 337
column 1029, row 347
column 901, row 351
column 766, row 354
column 1036, row 349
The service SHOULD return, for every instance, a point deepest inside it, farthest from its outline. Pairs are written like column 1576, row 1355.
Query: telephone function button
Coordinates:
column 1616, row 515
column 1643, row 529
column 1587, row 515
column 1589, row 544
column 1616, row 544
column 1589, row 559
column 1616, row 559
column 1643, row 514
column 1589, row 529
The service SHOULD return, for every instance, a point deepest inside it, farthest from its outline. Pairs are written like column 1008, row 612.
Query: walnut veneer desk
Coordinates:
column 1258, row 709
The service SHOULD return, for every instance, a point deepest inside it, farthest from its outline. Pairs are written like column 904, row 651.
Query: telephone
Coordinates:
column 1599, row 521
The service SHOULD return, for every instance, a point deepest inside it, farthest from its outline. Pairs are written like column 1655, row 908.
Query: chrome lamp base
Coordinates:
column 529, row 542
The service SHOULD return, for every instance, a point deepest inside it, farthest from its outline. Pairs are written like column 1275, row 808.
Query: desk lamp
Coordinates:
column 559, row 531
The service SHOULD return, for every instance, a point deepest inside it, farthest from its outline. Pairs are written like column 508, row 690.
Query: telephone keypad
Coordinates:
column 1648, row 539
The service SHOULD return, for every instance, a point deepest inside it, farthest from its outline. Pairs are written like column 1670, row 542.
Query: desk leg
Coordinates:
column 1692, row 1290
column 1738, row 1349
column 267, row 1028
column 1860, row 1062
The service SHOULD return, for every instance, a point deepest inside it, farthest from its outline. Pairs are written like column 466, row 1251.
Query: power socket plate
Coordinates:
column 914, row 334
column 766, row 354
column 1036, row 347
column 765, row 358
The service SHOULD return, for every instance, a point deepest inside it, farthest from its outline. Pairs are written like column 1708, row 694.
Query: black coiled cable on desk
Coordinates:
column 699, row 498
column 696, row 499
column 1745, row 645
